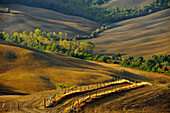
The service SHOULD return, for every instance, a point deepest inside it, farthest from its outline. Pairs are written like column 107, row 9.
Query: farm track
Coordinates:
column 76, row 106
column 62, row 102
column 65, row 102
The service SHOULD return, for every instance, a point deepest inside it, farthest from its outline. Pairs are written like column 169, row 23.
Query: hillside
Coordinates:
column 147, row 99
column 142, row 36
column 28, row 70
column 128, row 3
column 30, row 18
column 94, row 10
column 118, row 96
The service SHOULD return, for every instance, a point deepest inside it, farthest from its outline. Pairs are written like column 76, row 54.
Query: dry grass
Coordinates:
column 147, row 99
column 143, row 36
column 128, row 3
column 28, row 70
column 90, row 98
column 155, row 78
column 57, row 99
column 30, row 18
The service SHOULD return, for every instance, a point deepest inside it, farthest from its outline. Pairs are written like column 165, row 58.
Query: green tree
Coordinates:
column 118, row 55
column 140, row 59
column 154, row 57
column 125, row 62
column 38, row 31
column 131, row 59
column 103, row 59
column 7, row 10
column 113, row 57
column 60, row 35
column 48, row 48
column 87, row 46
column 96, row 57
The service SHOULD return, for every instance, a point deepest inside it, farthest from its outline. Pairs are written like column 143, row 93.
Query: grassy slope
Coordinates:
column 30, row 18
column 143, row 36
column 151, row 77
column 28, row 70
column 128, row 3
column 147, row 99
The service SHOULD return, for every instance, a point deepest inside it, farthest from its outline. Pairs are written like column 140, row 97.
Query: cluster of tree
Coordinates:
column 37, row 36
column 117, row 57
column 47, row 41
column 158, row 63
column 86, row 56
column 93, row 34
column 93, row 9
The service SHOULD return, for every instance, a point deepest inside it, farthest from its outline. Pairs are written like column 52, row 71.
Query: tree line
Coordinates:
column 158, row 63
column 93, row 9
column 45, row 41
column 93, row 34
column 49, row 42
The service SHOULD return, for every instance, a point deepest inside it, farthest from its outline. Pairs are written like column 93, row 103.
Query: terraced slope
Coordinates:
column 28, row 70
column 147, row 99
column 30, row 18
column 118, row 97
column 142, row 36
column 128, row 3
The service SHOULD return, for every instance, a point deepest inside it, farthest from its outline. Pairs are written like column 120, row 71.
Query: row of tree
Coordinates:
column 48, row 37
column 93, row 9
column 47, row 41
column 37, row 36
column 93, row 34
column 84, row 50
column 158, row 63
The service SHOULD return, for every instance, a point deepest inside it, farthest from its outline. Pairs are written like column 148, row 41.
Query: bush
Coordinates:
column 115, row 62
column 103, row 59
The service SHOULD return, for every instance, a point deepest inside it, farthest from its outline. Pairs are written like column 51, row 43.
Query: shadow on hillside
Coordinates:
column 5, row 90
column 134, row 77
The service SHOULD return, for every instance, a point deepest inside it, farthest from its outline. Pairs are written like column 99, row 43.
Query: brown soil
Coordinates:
column 30, row 18
column 142, row 36
column 145, row 99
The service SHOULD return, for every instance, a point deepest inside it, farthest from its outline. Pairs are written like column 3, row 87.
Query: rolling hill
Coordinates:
column 128, row 3
column 30, row 18
column 142, row 36
column 31, row 80
column 28, row 70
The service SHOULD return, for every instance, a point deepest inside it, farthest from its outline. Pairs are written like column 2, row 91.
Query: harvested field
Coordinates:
column 29, row 18
column 142, row 36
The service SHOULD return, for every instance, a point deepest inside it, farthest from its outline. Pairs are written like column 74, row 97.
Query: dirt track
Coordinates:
column 135, row 99
column 34, row 103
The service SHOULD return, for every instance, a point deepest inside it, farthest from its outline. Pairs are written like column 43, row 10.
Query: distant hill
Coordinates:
column 28, row 70
column 128, row 3
column 94, row 10
column 30, row 18
column 142, row 36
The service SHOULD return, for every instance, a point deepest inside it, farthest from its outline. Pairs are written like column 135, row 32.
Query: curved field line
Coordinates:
column 59, row 99
column 79, row 104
